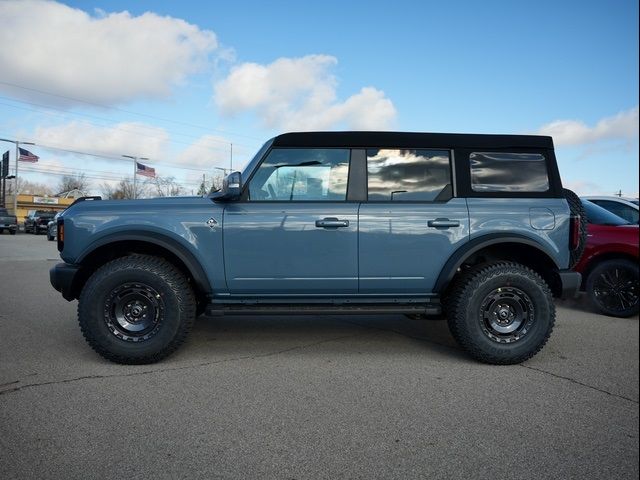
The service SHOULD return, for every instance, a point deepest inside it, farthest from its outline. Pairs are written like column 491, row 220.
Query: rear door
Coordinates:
column 411, row 223
column 295, row 233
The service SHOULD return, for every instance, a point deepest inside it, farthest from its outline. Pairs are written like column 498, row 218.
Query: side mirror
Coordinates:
column 232, row 186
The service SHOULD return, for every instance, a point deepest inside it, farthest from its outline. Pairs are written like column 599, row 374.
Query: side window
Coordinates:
column 301, row 174
column 408, row 175
column 623, row 211
column 508, row 172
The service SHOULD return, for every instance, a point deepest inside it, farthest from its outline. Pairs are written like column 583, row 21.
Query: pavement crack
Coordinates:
column 448, row 347
column 572, row 380
column 172, row 369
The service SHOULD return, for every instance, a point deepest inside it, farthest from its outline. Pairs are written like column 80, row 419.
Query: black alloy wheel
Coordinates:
column 612, row 286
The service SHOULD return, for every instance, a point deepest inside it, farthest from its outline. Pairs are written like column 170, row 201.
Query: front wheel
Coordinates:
column 501, row 313
column 612, row 286
column 136, row 309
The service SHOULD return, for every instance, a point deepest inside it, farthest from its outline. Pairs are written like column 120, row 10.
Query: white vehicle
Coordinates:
column 626, row 208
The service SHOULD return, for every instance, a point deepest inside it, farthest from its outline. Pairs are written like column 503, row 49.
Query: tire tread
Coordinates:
column 456, row 303
column 158, row 266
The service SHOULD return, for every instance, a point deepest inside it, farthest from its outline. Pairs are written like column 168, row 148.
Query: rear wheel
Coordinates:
column 612, row 286
column 501, row 313
column 136, row 309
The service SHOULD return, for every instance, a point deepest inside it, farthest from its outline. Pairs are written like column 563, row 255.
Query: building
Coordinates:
column 35, row 202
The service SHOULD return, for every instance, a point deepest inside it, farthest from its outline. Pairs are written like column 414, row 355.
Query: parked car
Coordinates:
column 52, row 228
column 626, row 208
column 8, row 222
column 474, row 226
column 609, row 264
column 37, row 221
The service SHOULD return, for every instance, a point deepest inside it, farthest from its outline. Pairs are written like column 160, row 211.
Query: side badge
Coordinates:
column 212, row 223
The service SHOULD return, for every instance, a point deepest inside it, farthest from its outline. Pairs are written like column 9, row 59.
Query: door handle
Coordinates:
column 443, row 223
column 332, row 222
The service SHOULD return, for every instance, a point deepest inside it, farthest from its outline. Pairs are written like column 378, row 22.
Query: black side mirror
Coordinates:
column 231, row 186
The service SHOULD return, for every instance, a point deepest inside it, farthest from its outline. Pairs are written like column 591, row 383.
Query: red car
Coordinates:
column 609, row 264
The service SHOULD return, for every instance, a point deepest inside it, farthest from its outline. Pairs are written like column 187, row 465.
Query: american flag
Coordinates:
column 144, row 170
column 27, row 156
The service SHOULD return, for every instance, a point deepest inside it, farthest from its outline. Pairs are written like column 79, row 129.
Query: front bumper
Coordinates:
column 62, row 278
column 570, row 282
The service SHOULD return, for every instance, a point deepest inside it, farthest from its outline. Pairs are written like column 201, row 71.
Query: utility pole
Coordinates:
column 231, row 159
column 135, row 171
column 15, row 190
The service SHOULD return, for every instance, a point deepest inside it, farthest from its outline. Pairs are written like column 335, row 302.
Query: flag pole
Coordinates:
column 135, row 171
column 15, row 190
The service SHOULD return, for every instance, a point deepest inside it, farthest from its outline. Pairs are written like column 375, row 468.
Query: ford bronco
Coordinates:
column 473, row 227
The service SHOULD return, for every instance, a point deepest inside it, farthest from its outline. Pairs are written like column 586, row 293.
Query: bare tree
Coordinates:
column 75, row 181
column 211, row 185
column 165, row 187
column 123, row 190
column 216, row 183
column 25, row 187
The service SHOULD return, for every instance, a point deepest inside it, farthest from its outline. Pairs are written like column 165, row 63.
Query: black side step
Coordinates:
column 321, row 309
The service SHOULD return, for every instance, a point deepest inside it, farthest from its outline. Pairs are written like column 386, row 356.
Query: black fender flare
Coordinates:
column 174, row 246
column 465, row 251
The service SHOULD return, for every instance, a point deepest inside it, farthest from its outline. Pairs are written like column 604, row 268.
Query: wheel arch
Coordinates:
column 118, row 245
column 494, row 247
column 597, row 259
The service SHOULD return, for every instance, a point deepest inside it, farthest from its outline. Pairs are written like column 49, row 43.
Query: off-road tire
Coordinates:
column 104, row 296
column 576, row 208
column 612, row 281
column 472, row 297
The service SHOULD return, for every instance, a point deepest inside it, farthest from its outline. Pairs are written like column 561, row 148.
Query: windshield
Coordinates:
column 599, row 216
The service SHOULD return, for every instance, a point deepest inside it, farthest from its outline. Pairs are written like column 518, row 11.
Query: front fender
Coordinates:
column 175, row 245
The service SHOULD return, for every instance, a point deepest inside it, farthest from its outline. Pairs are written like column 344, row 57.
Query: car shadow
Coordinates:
column 246, row 334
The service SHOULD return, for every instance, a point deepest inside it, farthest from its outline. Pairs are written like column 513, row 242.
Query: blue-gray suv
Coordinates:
column 475, row 227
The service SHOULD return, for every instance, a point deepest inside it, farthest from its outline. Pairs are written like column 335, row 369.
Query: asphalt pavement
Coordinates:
column 308, row 397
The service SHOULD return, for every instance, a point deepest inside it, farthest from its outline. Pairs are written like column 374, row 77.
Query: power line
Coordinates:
column 102, row 105
column 111, row 127
column 94, row 177
column 114, row 157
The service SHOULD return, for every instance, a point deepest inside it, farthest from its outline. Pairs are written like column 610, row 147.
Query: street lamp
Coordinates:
column 135, row 170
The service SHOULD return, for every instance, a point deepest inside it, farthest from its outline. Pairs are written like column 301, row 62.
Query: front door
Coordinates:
column 295, row 232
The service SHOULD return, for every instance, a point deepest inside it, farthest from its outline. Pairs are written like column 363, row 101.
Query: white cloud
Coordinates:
column 623, row 126
column 128, row 138
column 207, row 151
column 300, row 94
column 108, row 58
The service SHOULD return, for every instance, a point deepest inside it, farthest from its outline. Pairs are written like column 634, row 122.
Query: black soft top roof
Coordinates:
column 409, row 140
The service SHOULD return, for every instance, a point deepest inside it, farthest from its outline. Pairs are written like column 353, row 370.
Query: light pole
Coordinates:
column 135, row 170
column 15, row 190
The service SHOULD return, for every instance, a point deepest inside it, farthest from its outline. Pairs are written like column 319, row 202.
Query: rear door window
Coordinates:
column 405, row 175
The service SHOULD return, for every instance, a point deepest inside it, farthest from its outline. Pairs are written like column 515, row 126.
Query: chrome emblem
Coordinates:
column 212, row 223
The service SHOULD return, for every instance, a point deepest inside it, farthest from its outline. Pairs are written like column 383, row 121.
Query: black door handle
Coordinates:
column 443, row 223
column 332, row 222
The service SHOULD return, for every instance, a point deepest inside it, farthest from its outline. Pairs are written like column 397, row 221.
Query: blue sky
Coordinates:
column 240, row 72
